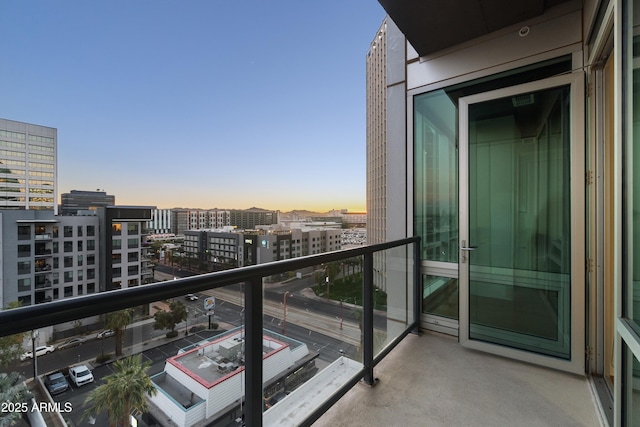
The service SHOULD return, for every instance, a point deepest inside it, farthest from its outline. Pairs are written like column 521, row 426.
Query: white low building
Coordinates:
column 206, row 381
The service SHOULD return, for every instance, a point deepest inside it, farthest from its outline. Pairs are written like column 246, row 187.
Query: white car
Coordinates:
column 104, row 334
column 40, row 351
column 80, row 375
column 72, row 343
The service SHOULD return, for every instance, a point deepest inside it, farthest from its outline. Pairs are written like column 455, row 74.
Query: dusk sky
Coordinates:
column 197, row 103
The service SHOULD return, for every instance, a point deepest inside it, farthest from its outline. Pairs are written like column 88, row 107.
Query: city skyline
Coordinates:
column 233, row 105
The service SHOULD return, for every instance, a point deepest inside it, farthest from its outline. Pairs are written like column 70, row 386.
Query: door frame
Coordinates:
column 576, row 363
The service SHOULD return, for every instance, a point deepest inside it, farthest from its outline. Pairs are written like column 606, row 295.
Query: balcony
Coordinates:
column 431, row 380
column 317, row 347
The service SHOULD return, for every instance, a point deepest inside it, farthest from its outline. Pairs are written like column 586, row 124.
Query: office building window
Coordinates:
column 24, row 267
column 132, row 229
column 24, row 232
column 24, row 285
column 24, row 250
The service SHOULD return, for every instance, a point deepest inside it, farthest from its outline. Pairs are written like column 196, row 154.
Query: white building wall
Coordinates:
column 225, row 394
column 195, row 414
column 190, row 383
column 171, row 409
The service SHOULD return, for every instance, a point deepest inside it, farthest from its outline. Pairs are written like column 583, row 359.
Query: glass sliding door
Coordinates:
column 518, row 222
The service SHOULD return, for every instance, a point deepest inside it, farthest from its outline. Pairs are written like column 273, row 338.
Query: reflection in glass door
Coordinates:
column 516, row 220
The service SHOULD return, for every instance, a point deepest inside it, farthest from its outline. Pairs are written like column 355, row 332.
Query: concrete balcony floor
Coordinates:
column 431, row 380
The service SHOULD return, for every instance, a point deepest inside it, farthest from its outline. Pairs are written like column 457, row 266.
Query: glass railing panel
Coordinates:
column 181, row 345
column 393, row 295
column 313, row 344
column 312, row 318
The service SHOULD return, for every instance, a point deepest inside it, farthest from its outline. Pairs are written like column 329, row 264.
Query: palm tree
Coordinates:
column 12, row 390
column 118, row 321
column 124, row 390
column 11, row 345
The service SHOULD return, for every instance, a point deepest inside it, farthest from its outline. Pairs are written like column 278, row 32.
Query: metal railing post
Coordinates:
column 253, row 352
column 417, row 287
column 367, row 319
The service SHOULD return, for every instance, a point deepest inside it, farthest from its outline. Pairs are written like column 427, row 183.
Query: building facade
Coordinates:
column 47, row 257
column 78, row 200
column 123, row 251
column 199, row 219
column 251, row 218
column 28, row 154
column 160, row 221
column 376, row 80
column 509, row 145
column 229, row 248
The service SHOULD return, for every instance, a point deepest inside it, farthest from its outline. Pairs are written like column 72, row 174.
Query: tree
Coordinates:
column 122, row 392
column 169, row 319
column 118, row 322
column 12, row 390
column 11, row 345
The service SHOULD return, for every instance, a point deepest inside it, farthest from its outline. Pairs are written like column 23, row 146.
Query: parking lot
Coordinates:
column 74, row 397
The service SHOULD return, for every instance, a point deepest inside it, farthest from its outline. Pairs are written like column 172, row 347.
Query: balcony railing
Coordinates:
column 357, row 329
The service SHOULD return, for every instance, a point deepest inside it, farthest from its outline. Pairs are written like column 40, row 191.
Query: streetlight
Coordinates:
column 186, row 322
column 284, row 328
column 34, row 336
column 327, row 280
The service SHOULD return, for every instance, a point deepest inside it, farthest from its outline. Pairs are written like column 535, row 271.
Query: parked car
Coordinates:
column 191, row 297
column 80, row 375
column 72, row 343
column 105, row 334
column 40, row 351
column 56, row 383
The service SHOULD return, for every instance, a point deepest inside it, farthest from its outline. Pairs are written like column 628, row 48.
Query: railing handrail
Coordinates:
column 69, row 309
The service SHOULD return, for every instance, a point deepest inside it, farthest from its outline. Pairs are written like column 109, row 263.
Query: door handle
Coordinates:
column 464, row 247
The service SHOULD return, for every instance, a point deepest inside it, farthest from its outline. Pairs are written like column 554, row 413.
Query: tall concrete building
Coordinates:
column 376, row 75
column 28, row 166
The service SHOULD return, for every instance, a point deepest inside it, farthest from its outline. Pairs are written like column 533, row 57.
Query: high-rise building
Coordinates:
column 376, row 76
column 28, row 166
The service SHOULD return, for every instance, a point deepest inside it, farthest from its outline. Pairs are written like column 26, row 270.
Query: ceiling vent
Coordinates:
column 522, row 100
